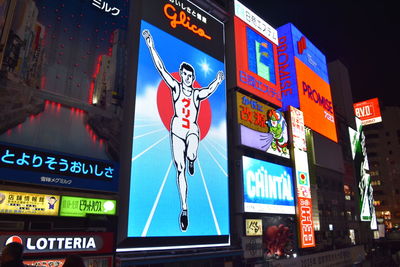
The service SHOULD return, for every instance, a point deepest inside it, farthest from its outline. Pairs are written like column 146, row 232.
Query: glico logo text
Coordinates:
column 184, row 20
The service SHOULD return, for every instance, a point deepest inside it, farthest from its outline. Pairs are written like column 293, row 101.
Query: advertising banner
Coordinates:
column 179, row 178
column 62, row 92
column 252, row 246
column 304, row 81
column 81, row 206
column 262, row 127
column 28, row 203
column 359, row 153
column 303, row 185
column 268, row 187
column 51, row 243
column 368, row 111
column 256, row 63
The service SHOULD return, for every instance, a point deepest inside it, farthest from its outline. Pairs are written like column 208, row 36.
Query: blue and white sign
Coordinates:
column 268, row 187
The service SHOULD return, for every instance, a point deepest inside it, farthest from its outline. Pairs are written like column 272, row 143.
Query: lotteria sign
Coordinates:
column 268, row 187
column 50, row 243
column 304, row 81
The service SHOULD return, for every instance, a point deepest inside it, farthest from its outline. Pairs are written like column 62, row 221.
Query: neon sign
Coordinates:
column 81, row 206
column 183, row 20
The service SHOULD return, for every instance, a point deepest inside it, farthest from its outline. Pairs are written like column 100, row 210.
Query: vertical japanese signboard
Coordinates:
column 368, row 111
column 303, row 189
column 359, row 153
column 179, row 182
column 262, row 127
column 268, row 187
column 256, row 55
column 304, row 80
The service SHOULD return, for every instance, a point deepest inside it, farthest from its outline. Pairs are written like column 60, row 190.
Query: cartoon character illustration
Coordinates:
column 278, row 128
column 184, row 133
column 51, row 201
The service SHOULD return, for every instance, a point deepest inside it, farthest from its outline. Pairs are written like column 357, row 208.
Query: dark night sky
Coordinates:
column 364, row 35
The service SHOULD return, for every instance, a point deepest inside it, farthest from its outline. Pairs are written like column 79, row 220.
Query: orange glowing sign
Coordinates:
column 368, row 111
column 184, row 20
column 315, row 101
column 306, row 222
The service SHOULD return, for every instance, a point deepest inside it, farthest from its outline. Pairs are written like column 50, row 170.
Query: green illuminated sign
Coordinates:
column 80, row 206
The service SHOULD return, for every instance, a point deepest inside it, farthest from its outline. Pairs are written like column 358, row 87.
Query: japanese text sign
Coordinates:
column 80, row 206
column 254, row 227
column 368, row 111
column 29, row 203
column 298, row 129
column 262, row 127
column 256, row 63
column 306, row 227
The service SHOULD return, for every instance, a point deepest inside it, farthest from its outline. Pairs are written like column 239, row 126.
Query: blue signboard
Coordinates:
column 24, row 164
column 268, row 187
column 179, row 180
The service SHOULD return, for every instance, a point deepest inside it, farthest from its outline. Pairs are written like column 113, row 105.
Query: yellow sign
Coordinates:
column 28, row 203
column 254, row 227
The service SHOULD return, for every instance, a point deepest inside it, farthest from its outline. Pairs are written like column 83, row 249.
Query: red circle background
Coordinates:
column 166, row 108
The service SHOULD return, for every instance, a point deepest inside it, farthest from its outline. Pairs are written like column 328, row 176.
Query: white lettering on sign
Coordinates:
column 261, row 184
column 363, row 111
column 61, row 243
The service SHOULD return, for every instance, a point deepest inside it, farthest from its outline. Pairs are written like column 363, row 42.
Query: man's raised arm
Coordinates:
column 171, row 82
column 207, row 91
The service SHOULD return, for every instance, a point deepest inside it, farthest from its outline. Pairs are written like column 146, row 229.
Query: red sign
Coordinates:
column 306, row 226
column 49, row 243
column 368, row 111
column 256, row 63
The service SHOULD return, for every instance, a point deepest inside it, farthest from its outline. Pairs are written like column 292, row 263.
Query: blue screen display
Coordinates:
column 268, row 187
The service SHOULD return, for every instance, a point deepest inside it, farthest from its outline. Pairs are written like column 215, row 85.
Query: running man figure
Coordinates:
column 184, row 129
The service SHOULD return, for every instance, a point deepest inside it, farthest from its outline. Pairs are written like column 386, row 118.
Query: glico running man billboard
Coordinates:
column 179, row 180
column 304, row 80
column 256, row 55
column 268, row 187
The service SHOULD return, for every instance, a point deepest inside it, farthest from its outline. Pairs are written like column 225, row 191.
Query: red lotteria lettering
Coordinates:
column 184, row 20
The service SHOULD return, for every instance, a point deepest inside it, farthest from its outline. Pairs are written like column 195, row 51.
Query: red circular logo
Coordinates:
column 14, row 238
column 166, row 108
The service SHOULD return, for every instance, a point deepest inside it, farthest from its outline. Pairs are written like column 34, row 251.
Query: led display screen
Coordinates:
column 268, row 187
column 368, row 111
column 28, row 203
column 304, row 81
column 256, row 63
column 179, row 180
column 262, row 127
column 359, row 153
column 81, row 206
column 63, row 86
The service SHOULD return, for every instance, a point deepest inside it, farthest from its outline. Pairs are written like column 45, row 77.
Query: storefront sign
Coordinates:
column 28, row 203
column 51, row 243
column 254, row 227
column 368, row 111
column 80, row 206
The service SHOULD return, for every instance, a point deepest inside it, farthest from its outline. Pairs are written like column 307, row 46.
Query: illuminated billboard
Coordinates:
column 303, row 185
column 268, row 187
column 262, row 127
column 28, row 203
column 81, row 206
column 304, row 81
column 62, row 92
column 359, row 153
column 179, row 179
column 368, row 111
column 256, row 56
